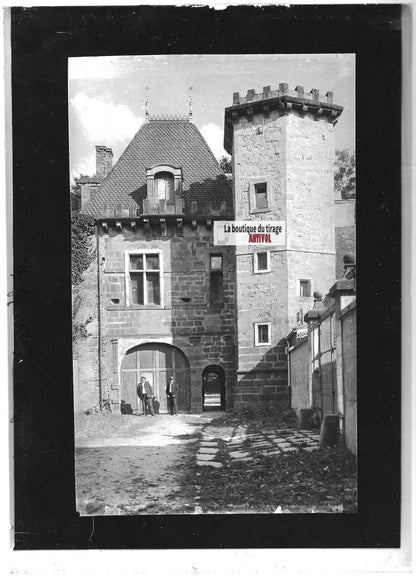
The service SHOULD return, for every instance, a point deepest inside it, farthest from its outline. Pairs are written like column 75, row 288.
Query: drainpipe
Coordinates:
column 320, row 367
column 289, row 348
column 100, row 389
column 332, row 362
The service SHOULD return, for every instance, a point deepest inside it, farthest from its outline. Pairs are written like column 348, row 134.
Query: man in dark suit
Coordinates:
column 140, row 395
column 171, row 389
column 145, row 394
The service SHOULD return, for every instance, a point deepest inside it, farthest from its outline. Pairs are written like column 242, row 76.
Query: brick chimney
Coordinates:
column 104, row 161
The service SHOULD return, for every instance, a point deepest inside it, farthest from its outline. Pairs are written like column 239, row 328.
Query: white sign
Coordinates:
column 246, row 233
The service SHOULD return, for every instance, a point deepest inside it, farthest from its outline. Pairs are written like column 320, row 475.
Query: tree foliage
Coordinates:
column 75, row 199
column 345, row 174
column 75, row 193
column 82, row 230
column 226, row 164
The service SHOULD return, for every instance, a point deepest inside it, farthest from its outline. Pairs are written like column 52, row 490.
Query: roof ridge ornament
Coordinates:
column 163, row 117
column 190, row 103
column 146, row 103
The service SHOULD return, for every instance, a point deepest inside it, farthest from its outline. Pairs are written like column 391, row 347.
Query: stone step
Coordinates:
column 203, row 450
column 238, row 455
column 205, row 457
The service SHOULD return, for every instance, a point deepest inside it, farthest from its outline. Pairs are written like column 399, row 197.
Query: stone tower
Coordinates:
column 282, row 146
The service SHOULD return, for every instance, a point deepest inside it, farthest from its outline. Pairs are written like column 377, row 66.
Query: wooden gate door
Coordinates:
column 328, row 373
column 156, row 362
column 129, row 381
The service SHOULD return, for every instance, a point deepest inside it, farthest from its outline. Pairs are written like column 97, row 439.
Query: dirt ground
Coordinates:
column 129, row 464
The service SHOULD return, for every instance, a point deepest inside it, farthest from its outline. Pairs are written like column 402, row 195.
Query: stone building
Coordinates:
column 161, row 299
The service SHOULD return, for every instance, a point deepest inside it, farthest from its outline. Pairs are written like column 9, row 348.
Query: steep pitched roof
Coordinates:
column 167, row 142
column 86, row 179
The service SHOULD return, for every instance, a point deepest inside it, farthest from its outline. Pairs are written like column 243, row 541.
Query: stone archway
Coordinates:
column 213, row 388
column 155, row 361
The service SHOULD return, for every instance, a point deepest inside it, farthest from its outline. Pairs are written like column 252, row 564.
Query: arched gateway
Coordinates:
column 213, row 388
column 156, row 361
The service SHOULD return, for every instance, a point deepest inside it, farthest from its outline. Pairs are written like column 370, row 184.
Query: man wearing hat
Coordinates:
column 145, row 394
column 171, row 389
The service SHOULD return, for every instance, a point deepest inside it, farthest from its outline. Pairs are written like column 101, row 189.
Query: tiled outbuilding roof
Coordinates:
column 91, row 180
column 166, row 142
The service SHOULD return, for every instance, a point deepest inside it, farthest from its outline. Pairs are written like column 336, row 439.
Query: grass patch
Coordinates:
column 302, row 481
column 258, row 418
column 321, row 481
column 194, row 436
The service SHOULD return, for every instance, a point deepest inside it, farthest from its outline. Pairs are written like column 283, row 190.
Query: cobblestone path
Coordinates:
column 245, row 447
column 133, row 465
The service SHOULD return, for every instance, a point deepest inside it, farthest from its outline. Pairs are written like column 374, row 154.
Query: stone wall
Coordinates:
column 85, row 346
column 328, row 368
column 294, row 155
column 319, row 268
column 186, row 319
column 309, row 165
column 344, row 212
column 324, row 363
column 261, row 297
column 349, row 371
column 345, row 243
column 299, row 376
column 258, row 154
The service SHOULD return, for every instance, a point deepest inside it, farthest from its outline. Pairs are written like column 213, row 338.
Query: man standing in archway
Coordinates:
column 171, row 389
column 145, row 393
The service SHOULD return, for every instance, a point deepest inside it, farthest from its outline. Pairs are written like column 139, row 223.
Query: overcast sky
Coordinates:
column 107, row 94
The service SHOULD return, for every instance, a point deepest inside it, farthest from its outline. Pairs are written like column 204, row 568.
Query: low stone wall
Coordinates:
column 348, row 317
column 261, row 388
column 299, row 376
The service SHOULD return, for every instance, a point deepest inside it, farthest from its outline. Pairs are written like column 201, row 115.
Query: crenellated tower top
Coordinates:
column 282, row 100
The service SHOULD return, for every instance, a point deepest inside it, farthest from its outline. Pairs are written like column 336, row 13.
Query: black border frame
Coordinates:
column 41, row 40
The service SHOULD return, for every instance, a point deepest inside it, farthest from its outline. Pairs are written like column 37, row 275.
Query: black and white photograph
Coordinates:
column 214, row 283
column 207, row 289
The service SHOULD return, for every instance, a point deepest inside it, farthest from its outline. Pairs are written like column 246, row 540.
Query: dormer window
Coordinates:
column 164, row 190
column 164, row 186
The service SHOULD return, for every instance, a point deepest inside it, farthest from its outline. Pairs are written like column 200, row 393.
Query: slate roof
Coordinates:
column 85, row 179
column 167, row 142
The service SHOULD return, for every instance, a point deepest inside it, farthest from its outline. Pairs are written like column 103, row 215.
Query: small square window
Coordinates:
column 304, row 288
column 216, row 263
column 262, row 262
column 260, row 192
column 262, row 334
